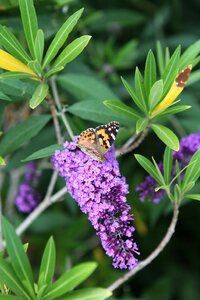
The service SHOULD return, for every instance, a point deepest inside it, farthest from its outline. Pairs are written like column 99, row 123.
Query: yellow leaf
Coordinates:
column 10, row 63
column 176, row 88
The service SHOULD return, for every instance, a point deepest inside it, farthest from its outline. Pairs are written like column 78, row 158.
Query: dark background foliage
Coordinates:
column 123, row 32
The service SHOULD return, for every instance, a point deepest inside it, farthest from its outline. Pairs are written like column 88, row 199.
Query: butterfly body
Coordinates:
column 96, row 141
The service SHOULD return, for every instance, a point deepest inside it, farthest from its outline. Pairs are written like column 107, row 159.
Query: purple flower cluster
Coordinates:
column 28, row 198
column 100, row 191
column 188, row 146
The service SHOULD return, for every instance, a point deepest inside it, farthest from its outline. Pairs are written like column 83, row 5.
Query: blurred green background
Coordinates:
column 122, row 34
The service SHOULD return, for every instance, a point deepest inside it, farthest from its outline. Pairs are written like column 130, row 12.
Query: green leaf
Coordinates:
column 167, row 163
column 45, row 152
column 132, row 94
column 189, row 55
column 2, row 161
column 10, row 297
column 12, row 45
column 39, row 95
column 125, row 55
column 29, row 20
column 193, row 196
column 15, row 75
column 53, row 71
column 89, row 294
column 97, row 112
column 72, row 51
column 70, row 279
column 140, row 90
column 47, row 266
column 148, row 166
column 155, row 94
column 173, row 110
column 121, row 108
column 10, row 279
column 150, row 72
column 39, row 45
column 167, row 56
column 4, row 97
column 22, row 133
column 141, row 124
column 160, row 57
column 18, row 257
column 193, row 171
column 61, row 36
column 35, row 66
column 85, row 87
column 171, row 70
column 167, row 136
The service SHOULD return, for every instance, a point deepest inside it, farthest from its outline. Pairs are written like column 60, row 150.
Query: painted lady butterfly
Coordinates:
column 96, row 141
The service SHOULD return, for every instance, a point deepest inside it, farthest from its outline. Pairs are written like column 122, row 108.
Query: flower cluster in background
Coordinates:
column 27, row 197
column 188, row 146
column 100, row 191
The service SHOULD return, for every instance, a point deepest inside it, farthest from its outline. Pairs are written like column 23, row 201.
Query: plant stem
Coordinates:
column 55, row 119
column 132, row 143
column 59, row 106
column 154, row 254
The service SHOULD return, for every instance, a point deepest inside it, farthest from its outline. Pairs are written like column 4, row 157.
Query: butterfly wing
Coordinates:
column 88, row 144
column 105, row 135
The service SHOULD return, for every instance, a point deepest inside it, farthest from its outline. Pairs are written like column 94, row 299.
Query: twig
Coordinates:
column 59, row 106
column 39, row 209
column 154, row 254
column 132, row 143
column 13, row 188
column 55, row 119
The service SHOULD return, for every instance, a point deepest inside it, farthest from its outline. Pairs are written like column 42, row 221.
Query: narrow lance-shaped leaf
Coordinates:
column 193, row 171
column 29, row 20
column 189, row 55
column 39, row 95
column 121, row 108
column 155, row 93
column 10, row 279
column 61, row 36
column 171, row 70
column 140, row 89
column 141, row 124
column 173, row 110
column 150, row 72
column 167, row 163
column 12, row 45
column 15, row 75
column 193, row 196
column 160, row 57
column 39, row 45
column 132, row 94
column 53, row 71
column 18, row 257
column 47, row 264
column 22, row 133
column 89, row 294
column 167, row 136
column 45, row 152
column 70, row 280
column 148, row 166
column 72, row 51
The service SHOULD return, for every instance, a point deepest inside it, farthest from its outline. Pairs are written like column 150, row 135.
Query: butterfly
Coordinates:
column 96, row 141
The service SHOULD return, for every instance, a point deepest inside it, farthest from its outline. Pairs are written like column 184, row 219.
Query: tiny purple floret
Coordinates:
column 101, row 191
